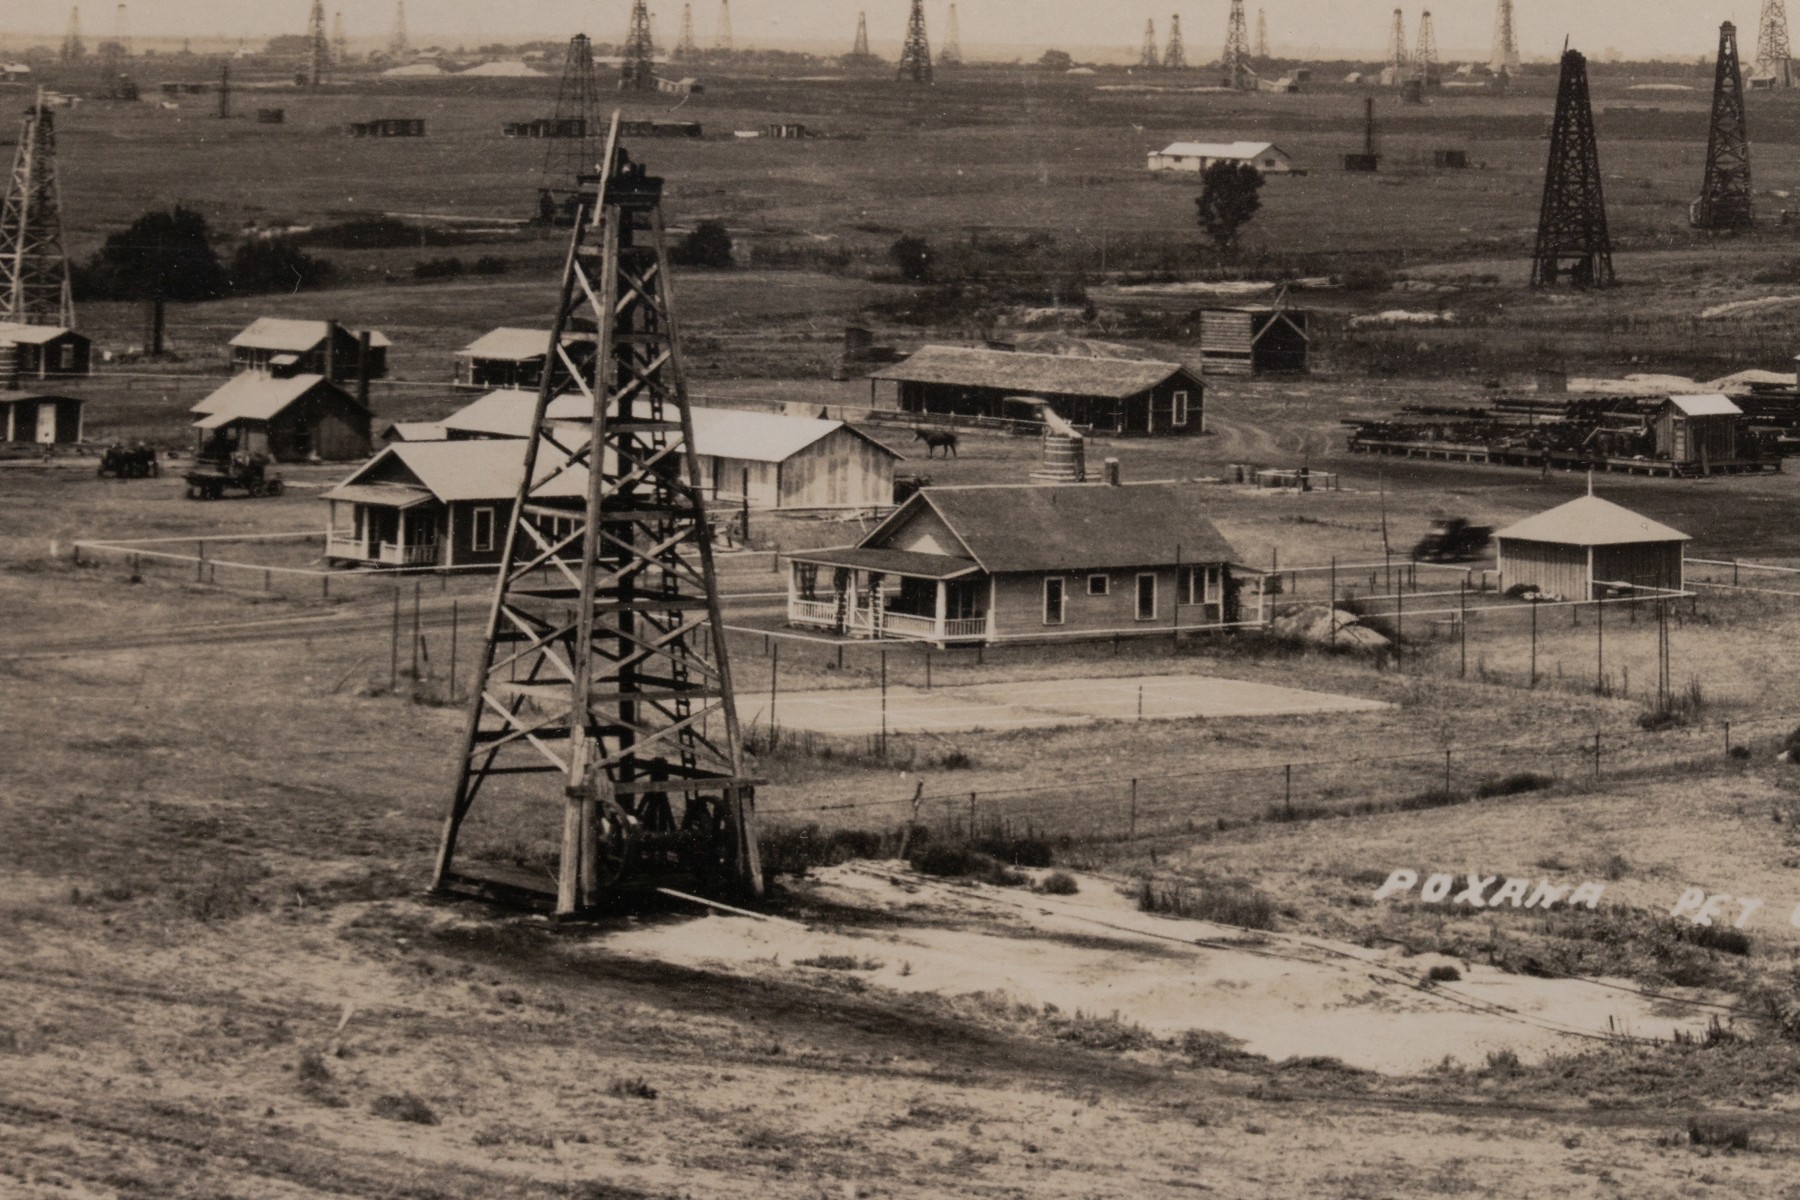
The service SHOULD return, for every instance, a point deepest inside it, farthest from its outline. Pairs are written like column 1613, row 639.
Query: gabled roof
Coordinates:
column 257, row 397
column 1219, row 149
column 414, row 431
column 1713, row 405
column 472, row 470
column 511, row 344
column 1032, row 374
column 287, row 333
column 1073, row 527
column 31, row 335
column 1590, row 521
column 718, row 432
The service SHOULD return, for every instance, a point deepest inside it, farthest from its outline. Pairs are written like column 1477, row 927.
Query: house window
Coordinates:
column 1180, row 419
column 1099, row 585
column 1215, row 585
column 1146, row 597
column 66, row 356
column 1200, row 585
column 482, row 537
column 1053, row 600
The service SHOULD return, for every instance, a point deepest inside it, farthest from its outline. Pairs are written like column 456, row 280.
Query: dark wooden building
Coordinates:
column 300, row 418
column 387, row 127
column 1105, row 395
column 1031, row 563
column 42, row 352
column 1254, row 340
column 1698, row 430
column 45, row 420
column 1590, row 547
column 284, row 346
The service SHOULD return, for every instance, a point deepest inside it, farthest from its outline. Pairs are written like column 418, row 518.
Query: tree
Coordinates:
column 1056, row 60
column 709, row 245
column 160, row 256
column 275, row 265
column 1229, row 197
column 913, row 256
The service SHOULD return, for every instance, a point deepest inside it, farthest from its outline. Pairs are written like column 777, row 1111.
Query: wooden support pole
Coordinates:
column 394, row 647
column 418, row 586
column 453, row 624
column 884, row 731
column 1133, row 830
column 774, row 687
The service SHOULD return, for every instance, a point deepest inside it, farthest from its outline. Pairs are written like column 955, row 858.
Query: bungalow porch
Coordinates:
column 871, row 593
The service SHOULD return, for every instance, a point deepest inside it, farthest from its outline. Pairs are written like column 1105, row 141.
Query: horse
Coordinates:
column 937, row 441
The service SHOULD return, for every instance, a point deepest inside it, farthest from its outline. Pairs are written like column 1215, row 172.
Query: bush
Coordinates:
column 912, row 255
column 1513, row 785
column 1443, row 973
column 1710, row 1131
column 404, row 1107
column 1225, row 902
column 438, row 268
column 1059, row 883
column 632, row 1088
column 708, row 245
column 490, row 264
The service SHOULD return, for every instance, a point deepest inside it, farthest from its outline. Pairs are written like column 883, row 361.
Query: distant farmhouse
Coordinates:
column 1030, row 563
column 1195, row 157
column 284, row 346
column 1105, row 395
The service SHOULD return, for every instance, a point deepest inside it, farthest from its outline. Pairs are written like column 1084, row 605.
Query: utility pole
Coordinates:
column 340, row 44
column 915, row 56
column 950, row 53
column 1573, row 243
column 621, row 725
column 224, row 112
column 34, row 264
column 1725, row 193
column 73, row 48
column 638, row 72
column 1175, row 57
column 1236, row 59
column 1774, row 60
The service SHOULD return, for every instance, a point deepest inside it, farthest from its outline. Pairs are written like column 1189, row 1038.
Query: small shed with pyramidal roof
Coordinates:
column 1589, row 547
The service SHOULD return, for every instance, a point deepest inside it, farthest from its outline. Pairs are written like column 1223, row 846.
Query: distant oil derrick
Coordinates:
column 1573, row 244
column 1262, row 34
column 340, row 43
column 397, row 38
column 1774, row 59
column 224, row 109
column 318, row 49
column 687, row 47
column 1425, row 56
column 638, row 72
column 1724, row 202
column 1235, row 62
column 1506, row 42
column 1175, row 57
column 73, row 48
column 1148, row 57
column 575, row 148
column 1397, row 48
column 722, row 34
column 34, row 266
column 915, row 56
column 950, row 53
column 859, row 49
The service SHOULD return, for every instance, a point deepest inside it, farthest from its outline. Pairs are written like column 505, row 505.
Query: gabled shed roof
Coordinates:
column 32, row 335
column 1590, row 521
column 1244, row 150
column 1711, row 405
column 256, row 397
column 288, row 333
column 473, row 470
column 512, row 344
column 1048, row 374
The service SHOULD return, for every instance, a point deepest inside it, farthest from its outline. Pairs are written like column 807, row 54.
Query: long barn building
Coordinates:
column 1105, row 395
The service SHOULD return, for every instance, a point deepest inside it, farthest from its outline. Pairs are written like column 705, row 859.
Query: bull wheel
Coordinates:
column 708, row 842
column 615, row 832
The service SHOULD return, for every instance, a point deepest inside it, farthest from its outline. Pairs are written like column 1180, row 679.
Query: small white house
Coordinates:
column 1195, row 157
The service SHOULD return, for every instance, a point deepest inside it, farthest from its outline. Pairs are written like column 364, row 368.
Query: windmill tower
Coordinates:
column 34, row 266
column 1397, row 48
column 1724, row 202
column 1573, row 243
column 1506, row 41
column 605, row 699
column 638, row 72
column 687, row 47
column 1149, row 57
column 73, row 48
column 397, row 38
column 1774, row 60
column 1236, row 59
column 1175, row 57
column 915, row 56
column 575, row 150
column 340, row 44
column 950, row 53
column 1425, row 59
column 722, row 35
column 318, row 49
column 1262, row 35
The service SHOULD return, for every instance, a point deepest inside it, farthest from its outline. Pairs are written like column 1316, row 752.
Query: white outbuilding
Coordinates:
column 1195, row 157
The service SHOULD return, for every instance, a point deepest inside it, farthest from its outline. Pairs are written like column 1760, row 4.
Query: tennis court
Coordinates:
column 1039, row 703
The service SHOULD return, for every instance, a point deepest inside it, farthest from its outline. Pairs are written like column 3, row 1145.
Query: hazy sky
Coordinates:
column 1672, row 28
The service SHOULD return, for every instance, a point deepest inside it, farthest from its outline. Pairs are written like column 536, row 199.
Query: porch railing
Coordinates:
column 397, row 555
column 341, row 545
column 822, row 613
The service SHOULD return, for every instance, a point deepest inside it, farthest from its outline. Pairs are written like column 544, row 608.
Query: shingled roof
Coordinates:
column 1590, row 521
column 1032, row 374
column 1027, row 527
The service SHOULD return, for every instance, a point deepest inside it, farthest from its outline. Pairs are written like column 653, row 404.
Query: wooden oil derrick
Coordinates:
column 340, row 41
column 574, row 148
column 1262, row 35
column 915, row 56
column 1235, row 62
column 1573, row 244
column 638, row 72
column 687, row 48
column 722, row 35
column 397, row 35
column 1725, row 191
column 318, row 46
column 1148, row 57
column 1505, row 60
column 73, row 48
column 1774, row 59
column 224, row 110
column 1175, row 57
column 1425, row 54
column 605, row 691
column 1397, row 48
column 859, row 50
column 950, row 53
column 34, row 265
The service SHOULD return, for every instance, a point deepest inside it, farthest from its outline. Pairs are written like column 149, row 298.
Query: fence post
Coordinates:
column 971, row 815
column 453, row 625
column 394, row 647
column 1447, row 753
column 1596, row 755
column 418, row 588
column 928, row 670
column 884, row 705
column 1534, row 608
column 1133, row 808
column 1728, row 739
column 774, row 686
column 325, row 585
column 1287, row 788
column 268, row 580
column 1734, row 572
column 200, row 562
column 1334, row 623
column 1599, row 647
column 1462, row 626
column 1140, row 701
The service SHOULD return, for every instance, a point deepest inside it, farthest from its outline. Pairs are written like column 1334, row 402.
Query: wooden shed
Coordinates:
column 286, row 346
column 1254, row 340
column 45, row 420
column 1700, row 430
column 42, row 352
column 299, row 419
column 1105, row 395
column 1588, row 548
column 509, row 357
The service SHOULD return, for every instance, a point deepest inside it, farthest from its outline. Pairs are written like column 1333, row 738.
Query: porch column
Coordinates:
column 943, row 609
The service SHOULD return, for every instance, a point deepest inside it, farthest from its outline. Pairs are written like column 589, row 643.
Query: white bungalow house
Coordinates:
column 1195, row 157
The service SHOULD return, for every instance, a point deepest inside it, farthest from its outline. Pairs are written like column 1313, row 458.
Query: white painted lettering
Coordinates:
column 1471, row 895
column 1689, row 904
column 1399, row 881
column 1750, row 908
column 1511, row 892
column 1588, row 894
column 1436, row 888
column 1714, row 907
column 1547, row 894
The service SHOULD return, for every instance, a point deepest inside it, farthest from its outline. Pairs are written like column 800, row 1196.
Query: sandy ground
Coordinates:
column 1042, row 703
column 1094, row 953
